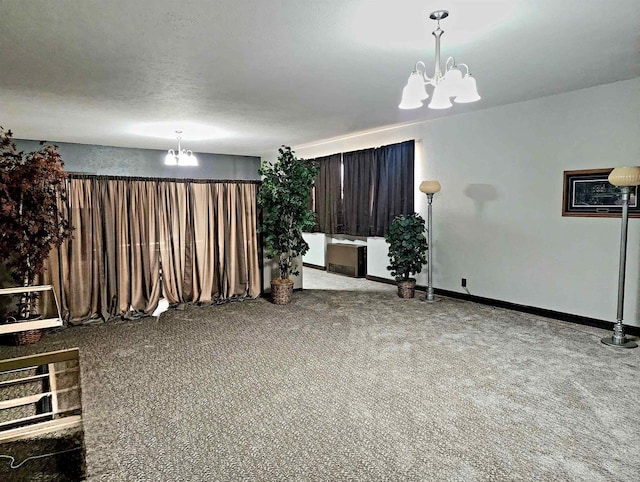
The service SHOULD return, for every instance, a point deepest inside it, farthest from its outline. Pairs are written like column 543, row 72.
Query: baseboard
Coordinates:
column 314, row 266
column 380, row 280
column 532, row 310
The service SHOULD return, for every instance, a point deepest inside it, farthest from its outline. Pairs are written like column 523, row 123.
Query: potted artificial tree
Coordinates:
column 284, row 198
column 31, row 186
column 407, row 251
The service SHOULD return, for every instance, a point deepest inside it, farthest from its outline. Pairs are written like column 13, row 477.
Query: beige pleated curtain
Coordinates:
column 136, row 240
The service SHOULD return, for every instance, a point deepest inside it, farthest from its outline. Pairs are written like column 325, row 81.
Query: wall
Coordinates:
column 497, row 220
column 122, row 161
column 317, row 248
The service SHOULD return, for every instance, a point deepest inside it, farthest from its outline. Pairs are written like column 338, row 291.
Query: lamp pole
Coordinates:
column 429, row 188
column 624, row 177
column 430, row 298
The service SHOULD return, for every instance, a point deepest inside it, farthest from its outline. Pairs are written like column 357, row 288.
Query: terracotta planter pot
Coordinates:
column 281, row 291
column 407, row 288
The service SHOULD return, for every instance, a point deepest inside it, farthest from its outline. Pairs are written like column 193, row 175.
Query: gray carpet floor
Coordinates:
column 354, row 386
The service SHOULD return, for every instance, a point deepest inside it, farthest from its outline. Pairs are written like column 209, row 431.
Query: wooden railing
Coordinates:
column 39, row 394
column 35, row 324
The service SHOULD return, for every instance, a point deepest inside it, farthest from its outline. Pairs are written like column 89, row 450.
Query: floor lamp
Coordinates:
column 429, row 188
column 625, row 178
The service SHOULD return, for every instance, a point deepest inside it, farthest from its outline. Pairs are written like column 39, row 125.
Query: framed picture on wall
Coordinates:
column 588, row 193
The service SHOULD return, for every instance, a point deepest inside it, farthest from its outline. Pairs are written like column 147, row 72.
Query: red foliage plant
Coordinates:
column 32, row 193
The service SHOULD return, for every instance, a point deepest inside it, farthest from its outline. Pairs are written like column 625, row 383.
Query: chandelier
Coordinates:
column 181, row 157
column 446, row 85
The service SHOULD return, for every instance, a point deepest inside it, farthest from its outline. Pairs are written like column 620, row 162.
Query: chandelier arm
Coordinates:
column 422, row 70
column 453, row 64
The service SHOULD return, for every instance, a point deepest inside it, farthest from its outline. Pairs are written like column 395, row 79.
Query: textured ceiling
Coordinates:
column 258, row 73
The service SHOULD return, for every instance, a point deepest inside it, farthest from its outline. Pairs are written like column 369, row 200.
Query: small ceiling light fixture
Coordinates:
column 182, row 157
column 449, row 84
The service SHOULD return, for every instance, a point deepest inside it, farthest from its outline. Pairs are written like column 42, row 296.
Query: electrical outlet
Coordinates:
column 464, row 282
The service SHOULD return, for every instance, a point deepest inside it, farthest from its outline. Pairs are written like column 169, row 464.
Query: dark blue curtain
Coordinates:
column 359, row 170
column 377, row 185
column 327, row 197
column 392, row 185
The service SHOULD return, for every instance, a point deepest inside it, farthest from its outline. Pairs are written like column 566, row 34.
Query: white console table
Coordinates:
column 30, row 324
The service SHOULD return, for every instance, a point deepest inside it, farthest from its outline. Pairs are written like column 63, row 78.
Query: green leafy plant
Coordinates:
column 284, row 198
column 407, row 246
column 31, row 185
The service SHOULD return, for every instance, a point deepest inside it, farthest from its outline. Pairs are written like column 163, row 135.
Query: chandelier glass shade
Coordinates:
column 447, row 85
column 180, row 157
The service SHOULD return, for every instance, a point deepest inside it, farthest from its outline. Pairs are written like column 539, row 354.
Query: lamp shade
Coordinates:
column 452, row 82
column 409, row 99
column 416, row 85
column 468, row 91
column 170, row 159
column 187, row 158
column 430, row 187
column 625, row 176
column 440, row 98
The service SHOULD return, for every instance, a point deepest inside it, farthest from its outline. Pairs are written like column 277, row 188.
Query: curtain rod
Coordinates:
column 79, row 175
